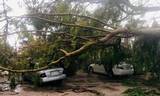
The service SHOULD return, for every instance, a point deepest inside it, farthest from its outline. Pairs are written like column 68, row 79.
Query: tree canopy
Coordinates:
column 70, row 33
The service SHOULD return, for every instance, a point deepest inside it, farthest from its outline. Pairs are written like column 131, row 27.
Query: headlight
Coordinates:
column 43, row 75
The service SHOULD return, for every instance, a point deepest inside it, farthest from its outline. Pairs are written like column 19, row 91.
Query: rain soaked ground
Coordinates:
column 79, row 85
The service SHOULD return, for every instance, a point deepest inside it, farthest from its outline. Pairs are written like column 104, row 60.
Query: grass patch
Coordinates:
column 152, row 82
column 130, row 82
column 138, row 91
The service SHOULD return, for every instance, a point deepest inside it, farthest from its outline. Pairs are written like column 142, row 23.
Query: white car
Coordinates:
column 51, row 75
column 47, row 75
column 120, row 69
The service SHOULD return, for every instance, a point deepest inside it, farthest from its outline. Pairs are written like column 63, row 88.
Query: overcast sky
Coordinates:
column 20, row 10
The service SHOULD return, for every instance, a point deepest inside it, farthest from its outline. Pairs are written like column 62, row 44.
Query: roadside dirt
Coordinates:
column 79, row 85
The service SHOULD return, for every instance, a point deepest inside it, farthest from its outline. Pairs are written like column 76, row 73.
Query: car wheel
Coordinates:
column 110, row 74
column 90, row 70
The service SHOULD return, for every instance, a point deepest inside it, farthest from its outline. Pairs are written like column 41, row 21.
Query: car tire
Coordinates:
column 110, row 74
column 90, row 70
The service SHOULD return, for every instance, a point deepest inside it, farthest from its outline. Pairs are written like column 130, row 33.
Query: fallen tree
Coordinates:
column 109, row 31
column 86, row 46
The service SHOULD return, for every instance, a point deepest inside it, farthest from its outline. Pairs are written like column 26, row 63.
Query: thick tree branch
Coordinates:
column 42, row 15
column 88, row 45
column 32, row 70
column 71, row 25
column 64, row 24
column 70, row 54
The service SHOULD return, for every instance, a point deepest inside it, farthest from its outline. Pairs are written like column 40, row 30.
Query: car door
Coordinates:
column 99, row 68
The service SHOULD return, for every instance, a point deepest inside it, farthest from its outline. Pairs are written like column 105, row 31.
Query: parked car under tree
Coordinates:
column 120, row 69
column 45, row 76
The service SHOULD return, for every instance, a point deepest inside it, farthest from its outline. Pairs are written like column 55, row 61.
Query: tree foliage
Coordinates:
column 71, row 27
column 146, row 54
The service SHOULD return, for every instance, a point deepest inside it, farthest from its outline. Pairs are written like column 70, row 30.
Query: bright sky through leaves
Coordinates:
column 18, row 9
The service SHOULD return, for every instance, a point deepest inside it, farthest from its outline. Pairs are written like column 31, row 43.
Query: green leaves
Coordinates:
column 138, row 91
column 146, row 54
column 135, row 92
